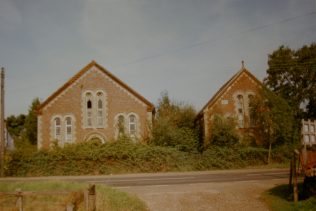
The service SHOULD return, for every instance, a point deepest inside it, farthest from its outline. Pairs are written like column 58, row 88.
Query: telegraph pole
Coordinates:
column 2, row 125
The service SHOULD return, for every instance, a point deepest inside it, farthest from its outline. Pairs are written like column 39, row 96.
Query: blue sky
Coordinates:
column 188, row 47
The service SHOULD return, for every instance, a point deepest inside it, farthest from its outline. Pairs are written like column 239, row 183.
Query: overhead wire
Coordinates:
column 193, row 45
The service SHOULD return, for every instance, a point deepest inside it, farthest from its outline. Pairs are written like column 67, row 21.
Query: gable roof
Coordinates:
column 221, row 91
column 106, row 72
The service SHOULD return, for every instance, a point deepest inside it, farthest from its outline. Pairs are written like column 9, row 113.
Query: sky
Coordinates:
column 189, row 48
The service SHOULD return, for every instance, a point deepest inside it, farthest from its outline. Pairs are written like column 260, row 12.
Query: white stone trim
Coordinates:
column 62, row 140
column 104, row 108
column 94, row 101
column 115, row 122
column 121, row 88
column 95, row 134
column 73, row 128
column 100, row 72
column 52, row 129
column 138, row 125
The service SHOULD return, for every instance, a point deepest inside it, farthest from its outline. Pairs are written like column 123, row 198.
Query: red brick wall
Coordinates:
column 69, row 102
column 225, row 105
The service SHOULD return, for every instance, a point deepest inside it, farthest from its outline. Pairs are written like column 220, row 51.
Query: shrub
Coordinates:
column 174, row 125
column 223, row 132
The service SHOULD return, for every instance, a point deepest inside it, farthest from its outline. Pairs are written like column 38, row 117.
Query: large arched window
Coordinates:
column 57, row 128
column 240, row 110
column 100, row 109
column 132, row 125
column 68, row 129
column 88, row 109
column 121, row 125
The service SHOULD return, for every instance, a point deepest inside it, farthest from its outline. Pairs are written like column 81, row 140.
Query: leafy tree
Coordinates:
column 274, row 120
column 31, row 122
column 15, row 125
column 292, row 75
column 223, row 132
column 174, row 125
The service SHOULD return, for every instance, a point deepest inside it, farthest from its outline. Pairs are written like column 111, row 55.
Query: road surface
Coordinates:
column 146, row 179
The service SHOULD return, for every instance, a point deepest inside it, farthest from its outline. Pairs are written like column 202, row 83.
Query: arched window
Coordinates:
column 57, row 128
column 240, row 111
column 121, row 125
column 89, row 111
column 132, row 125
column 69, row 130
column 100, row 109
column 251, row 110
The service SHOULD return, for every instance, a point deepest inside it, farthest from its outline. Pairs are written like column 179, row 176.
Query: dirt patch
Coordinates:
column 205, row 196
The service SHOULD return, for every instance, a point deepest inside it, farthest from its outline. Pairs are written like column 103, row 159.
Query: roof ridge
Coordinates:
column 105, row 71
column 225, row 85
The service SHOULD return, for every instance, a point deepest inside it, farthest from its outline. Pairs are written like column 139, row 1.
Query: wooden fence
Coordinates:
column 72, row 198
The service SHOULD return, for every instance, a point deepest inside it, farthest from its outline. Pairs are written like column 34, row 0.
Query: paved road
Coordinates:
column 170, row 178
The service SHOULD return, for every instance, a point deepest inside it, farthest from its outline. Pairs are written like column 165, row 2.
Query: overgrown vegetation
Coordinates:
column 274, row 120
column 174, row 125
column 107, row 198
column 23, row 128
column 223, row 132
column 125, row 156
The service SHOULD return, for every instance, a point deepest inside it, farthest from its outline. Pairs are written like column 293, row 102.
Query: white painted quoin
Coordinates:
column 86, row 107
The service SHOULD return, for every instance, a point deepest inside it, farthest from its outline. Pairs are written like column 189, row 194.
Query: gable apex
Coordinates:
column 231, row 81
column 88, row 67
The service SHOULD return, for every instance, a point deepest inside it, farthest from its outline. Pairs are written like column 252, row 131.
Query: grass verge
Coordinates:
column 280, row 198
column 107, row 198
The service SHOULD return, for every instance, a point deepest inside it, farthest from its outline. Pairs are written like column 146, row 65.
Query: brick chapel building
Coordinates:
column 93, row 104
column 232, row 100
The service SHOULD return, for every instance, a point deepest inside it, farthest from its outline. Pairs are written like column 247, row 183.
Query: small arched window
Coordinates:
column 100, row 109
column 132, row 125
column 57, row 128
column 89, row 107
column 69, row 130
column 240, row 110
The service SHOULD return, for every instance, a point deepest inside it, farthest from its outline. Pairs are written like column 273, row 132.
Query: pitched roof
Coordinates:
column 221, row 91
column 106, row 72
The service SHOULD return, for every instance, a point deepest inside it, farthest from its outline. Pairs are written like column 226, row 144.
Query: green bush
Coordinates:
column 125, row 156
column 95, row 158
column 231, row 157
column 174, row 126
column 223, row 132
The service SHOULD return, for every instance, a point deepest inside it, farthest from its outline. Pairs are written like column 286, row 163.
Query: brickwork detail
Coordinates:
column 70, row 101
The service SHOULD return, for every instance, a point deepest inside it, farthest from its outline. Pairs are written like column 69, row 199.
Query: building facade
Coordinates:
column 233, row 100
column 93, row 104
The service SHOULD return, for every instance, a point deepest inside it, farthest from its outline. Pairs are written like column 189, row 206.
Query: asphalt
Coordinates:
column 169, row 178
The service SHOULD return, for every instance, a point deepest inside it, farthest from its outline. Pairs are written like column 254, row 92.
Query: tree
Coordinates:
column 31, row 122
column 15, row 125
column 174, row 125
column 223, row 132
column 292, row 75
column 274, row 119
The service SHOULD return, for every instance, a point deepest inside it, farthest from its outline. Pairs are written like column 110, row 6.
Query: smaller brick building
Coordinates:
column 232, row 100
column 93, row 104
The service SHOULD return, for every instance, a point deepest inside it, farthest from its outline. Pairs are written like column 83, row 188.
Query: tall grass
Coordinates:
column 107, row 198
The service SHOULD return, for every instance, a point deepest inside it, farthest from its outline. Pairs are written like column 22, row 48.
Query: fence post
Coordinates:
column 19, row 200
column 291, row 174
column 295, row 188
column 90, row 198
